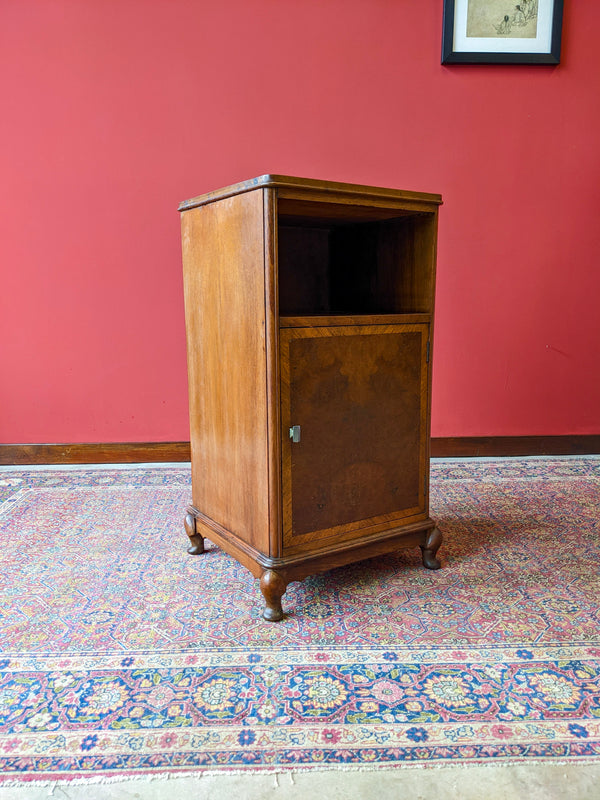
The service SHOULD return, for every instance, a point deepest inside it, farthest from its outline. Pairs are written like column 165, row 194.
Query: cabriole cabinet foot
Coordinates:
column 273, row 587
column 196, row 546
column 430, row 548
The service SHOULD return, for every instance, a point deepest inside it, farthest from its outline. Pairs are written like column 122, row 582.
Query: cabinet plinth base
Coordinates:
column 276, row 573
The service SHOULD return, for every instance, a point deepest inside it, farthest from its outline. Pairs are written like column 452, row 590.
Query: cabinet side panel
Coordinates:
column 224, row 284
column 406, row 259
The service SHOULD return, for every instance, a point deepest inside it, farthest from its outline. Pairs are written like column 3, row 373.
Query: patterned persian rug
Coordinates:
column 120, row 655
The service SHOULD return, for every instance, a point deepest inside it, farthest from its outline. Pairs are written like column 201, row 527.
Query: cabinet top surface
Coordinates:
column 316, row 188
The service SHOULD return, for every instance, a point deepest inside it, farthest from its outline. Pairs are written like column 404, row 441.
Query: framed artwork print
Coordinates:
column 502, row 31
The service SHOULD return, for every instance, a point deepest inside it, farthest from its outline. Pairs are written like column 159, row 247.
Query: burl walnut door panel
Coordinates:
column 358, row 395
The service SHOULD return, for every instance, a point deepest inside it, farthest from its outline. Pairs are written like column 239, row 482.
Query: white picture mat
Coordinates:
column 503, row 44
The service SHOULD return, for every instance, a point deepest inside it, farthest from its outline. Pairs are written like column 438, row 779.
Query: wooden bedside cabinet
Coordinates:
column 309, row 313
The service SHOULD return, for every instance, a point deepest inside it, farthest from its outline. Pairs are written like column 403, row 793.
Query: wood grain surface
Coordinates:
column 224, row 282
column 359, row 396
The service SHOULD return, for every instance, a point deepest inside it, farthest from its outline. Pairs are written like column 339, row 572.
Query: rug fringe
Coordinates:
column 296, row 770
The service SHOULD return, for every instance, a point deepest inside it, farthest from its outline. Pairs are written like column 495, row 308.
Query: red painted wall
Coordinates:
column 112, row 111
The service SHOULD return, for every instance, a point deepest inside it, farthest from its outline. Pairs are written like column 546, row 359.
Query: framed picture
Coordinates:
column 502, row 31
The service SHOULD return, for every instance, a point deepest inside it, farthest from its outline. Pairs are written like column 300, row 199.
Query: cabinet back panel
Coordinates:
column 224, row 282
column 382, row 267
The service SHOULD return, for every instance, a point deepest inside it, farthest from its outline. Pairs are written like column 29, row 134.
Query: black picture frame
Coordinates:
column 549, row 54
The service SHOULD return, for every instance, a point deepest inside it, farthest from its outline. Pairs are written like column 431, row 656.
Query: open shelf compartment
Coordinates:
column 336, row 259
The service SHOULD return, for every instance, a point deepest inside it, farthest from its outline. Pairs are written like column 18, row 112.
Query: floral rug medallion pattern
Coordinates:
column 122, row 655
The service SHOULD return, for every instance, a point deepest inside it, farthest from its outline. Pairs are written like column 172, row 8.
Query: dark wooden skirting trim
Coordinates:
column 147, row 452
column 114, row 453
column 498, row 446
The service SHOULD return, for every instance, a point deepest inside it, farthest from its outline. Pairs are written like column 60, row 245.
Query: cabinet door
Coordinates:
column 355, row 398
